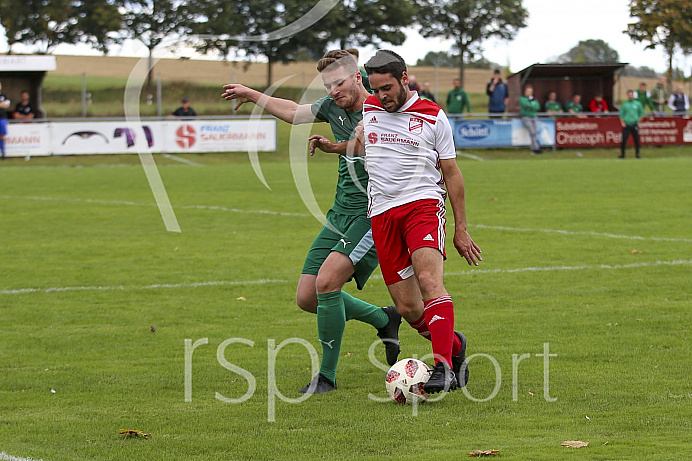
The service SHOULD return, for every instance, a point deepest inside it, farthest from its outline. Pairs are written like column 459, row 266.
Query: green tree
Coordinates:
column 590, row 51
column 368, row 22
column 470, row 22
column 45, row 24
column 153, row 21
column 439, row 59
column 244, row 24
column 662, row 23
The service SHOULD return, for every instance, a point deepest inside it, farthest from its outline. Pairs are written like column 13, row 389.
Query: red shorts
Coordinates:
column 400, row 231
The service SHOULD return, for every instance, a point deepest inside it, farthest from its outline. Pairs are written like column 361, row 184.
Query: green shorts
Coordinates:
column 354, row 239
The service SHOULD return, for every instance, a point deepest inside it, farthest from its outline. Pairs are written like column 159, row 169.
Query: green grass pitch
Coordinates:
column 591, row 256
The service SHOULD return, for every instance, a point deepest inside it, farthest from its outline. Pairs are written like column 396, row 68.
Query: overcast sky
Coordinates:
column 554, row 26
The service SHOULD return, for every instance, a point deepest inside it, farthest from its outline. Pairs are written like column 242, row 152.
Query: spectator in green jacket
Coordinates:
column 457, row 99
column 529, row 107
column 659, row 97
column 457, row 103
column 644, row 97
column 631, row 111
column 552, row 105
column 574, row 106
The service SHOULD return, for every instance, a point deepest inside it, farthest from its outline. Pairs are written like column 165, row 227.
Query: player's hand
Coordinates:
column 320, row 142
column 467, row 248
column 236, row 91
column 358, row 132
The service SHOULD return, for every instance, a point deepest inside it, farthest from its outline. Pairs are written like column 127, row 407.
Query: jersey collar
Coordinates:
column 410, row 102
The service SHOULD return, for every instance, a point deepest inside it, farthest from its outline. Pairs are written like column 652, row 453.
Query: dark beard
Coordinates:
column 400, row 99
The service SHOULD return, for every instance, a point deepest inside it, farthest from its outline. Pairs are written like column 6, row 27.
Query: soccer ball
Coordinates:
column 405, row 381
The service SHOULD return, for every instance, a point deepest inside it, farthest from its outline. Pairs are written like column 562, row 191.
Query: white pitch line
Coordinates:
column 306, row 215
column 126, row 203
column 471, row 156
column 5, row 457
column 679, row 262
column 181, row 160
column 595, row 234
column 157, row 286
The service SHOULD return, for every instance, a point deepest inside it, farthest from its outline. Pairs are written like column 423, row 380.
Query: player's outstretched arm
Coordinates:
column 287, row 110
column 454, row 181
column 352, row 148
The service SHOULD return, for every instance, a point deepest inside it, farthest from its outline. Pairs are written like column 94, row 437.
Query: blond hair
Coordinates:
column 337, row 58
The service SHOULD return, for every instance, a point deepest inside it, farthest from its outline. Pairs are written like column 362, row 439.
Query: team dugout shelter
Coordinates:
column 566, row 80
column 23, row 72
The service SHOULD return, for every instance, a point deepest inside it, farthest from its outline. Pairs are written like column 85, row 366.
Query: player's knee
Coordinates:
column 411, row 311
column 307, row 303
column 430, row 286
column 327, row 283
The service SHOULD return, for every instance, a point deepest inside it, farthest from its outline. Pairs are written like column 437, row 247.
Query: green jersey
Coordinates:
column 631, row 111
column 573, row 106
column 644, row 97
column 529, row 106
column 351, row 197
column 553, row 106
column 366, row 80
column 457, row 100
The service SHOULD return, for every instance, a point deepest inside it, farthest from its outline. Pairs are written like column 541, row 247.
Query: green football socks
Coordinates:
column 331, row 321
column 333, row 309
column 365, row 312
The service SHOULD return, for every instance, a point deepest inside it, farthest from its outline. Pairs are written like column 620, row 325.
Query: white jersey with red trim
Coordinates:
column 403, row 151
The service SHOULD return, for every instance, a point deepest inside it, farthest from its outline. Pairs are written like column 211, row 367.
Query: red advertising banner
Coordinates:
column 607, row 131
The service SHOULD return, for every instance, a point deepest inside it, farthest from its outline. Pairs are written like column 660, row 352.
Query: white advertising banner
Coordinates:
column 155, row 136
column 220, row 135
column 32, row 139
column 105, row 137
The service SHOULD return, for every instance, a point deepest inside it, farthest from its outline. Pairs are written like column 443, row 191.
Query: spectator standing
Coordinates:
column 425, row 92
column 497, row 93
column 457, row 103
column 679, row 102
column 658, row 96
column 184, row 110
column 631, row 111
column 457, row 99
column 552, row 105
column 598, row 105
column 23, row 109
column 529, row 107
column 4, row 105
column 413, row 83
column 644, row 97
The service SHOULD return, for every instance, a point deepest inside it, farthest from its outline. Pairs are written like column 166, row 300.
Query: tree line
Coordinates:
column 247, row 28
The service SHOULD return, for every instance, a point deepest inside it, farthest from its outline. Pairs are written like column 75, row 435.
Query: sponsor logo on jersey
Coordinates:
column 372, row 138
column 415, row 125
column 373, row 120
column 342, row 120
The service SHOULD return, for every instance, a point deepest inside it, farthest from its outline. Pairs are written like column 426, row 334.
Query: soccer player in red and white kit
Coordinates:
column 410, row 158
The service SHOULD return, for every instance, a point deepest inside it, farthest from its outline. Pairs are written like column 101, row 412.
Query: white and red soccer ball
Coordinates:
column 405, row 381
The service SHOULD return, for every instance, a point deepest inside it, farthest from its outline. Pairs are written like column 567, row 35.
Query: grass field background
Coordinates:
column 590, row 255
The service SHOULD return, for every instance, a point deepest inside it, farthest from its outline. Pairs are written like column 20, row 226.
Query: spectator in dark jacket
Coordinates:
column 497, row 93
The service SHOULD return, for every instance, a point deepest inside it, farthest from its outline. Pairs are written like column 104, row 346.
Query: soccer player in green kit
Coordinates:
column 344, row 248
